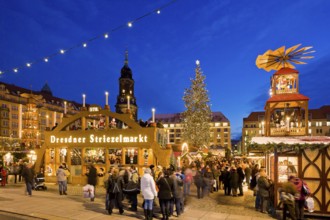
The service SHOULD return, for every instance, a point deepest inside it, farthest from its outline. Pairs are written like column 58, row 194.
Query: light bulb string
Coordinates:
column 85, row 43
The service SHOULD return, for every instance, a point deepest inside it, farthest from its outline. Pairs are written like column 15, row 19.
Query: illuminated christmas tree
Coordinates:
column 197, row 116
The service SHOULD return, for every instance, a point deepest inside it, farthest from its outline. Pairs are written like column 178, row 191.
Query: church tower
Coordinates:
column 126, row 101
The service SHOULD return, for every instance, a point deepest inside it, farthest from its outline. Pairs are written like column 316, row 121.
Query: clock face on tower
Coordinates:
column 122, row 99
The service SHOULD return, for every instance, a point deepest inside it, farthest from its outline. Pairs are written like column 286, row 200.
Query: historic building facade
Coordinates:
column 219, row 129
column 25, row 115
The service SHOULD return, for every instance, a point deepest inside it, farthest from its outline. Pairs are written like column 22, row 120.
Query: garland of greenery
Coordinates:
column 281, row 147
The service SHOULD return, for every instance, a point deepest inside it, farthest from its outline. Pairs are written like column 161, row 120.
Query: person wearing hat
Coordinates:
column 149, row 192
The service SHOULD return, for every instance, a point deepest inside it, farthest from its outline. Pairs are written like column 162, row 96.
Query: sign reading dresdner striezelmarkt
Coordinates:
column 98, row 139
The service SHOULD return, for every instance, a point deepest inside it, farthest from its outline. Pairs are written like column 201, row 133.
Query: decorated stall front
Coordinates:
column 306, row 157
column 103, row 138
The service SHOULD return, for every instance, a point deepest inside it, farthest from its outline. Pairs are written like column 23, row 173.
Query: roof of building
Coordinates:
column 287, row 98
column 292, row 140
column 285, row 71
column 320, row 113
column 176, row 118
column 48, row 97
column 46, row 89
column 254, row 116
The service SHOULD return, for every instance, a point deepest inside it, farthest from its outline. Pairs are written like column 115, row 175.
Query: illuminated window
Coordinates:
column 287, row 166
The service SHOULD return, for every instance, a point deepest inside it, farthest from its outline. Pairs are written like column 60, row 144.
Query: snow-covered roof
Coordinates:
column 292, row 140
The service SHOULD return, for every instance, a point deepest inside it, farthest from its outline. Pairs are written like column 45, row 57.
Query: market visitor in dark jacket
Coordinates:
column 263, row 187
column 208, row 180
column 198, row 180
column 241, row 177
column 233, row 180
column 166, row 189
column 28, row 175
column 115, row 191
column 225, row 178
column 177, row 193
column 92, row 178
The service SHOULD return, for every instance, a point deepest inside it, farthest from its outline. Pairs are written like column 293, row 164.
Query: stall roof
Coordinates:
column 292, row 140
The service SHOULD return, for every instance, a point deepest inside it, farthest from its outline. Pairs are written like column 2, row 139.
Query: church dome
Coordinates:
column 126, row 72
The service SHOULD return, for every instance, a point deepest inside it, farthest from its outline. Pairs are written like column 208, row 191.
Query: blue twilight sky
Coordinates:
column 225, row 35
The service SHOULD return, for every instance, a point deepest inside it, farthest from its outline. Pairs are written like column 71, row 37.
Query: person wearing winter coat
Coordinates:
column 149, row 192
column 115, row 191
column 198, row 180
column 225, row 179
column 188, row 178
column 247, row 172
column 28, row 175
column 241, row 177
column 92, row 178
column 165, row 194
column 263, row 190
column 208, row 180
column 216, row 174
column 233, row 180
column 300, row 198
column 178, row 194
column 132, row 193
column 61, row 180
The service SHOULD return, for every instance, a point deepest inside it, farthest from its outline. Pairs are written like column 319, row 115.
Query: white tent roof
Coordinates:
column 292, row 140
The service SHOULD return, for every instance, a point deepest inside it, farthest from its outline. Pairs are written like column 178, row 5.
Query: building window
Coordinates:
column 6, row 132
column 225, row 124
column 218, row 129
column 14, row 125
column 14, row 108
column 217, row 124
column 287, row 166
column 14, row 116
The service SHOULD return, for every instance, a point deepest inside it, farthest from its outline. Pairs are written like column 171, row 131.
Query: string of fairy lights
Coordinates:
column 84, row 44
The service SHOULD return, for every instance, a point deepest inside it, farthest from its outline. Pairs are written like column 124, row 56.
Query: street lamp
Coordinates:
column 153, row 115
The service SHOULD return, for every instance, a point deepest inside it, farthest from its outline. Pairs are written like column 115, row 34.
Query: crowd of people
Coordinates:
column 169, row 187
